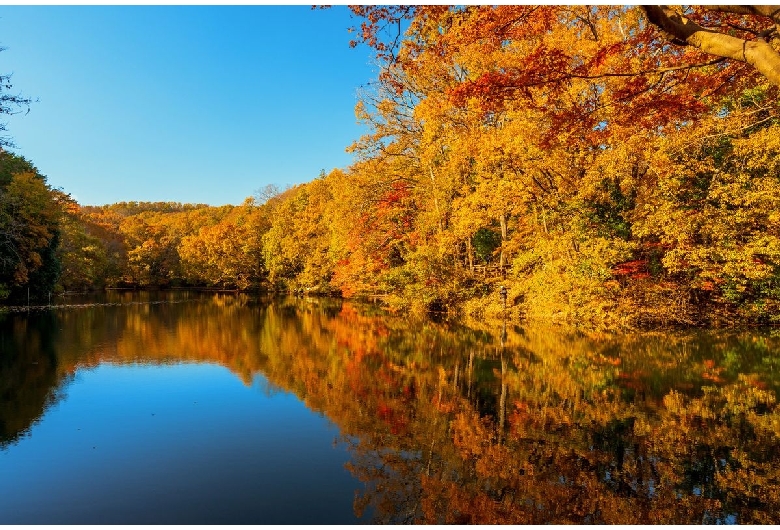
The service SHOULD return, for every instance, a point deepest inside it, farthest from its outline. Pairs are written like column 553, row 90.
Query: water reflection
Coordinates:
column 447, row 424
column 28, row 372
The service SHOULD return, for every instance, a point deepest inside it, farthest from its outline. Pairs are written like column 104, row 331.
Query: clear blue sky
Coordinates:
column 198, row 104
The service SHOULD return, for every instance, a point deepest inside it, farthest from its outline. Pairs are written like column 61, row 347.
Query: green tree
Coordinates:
column 29, row 235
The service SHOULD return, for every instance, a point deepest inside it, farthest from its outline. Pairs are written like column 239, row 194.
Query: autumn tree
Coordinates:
column 537, row 124
column 29, row 230
column 229, row 253
column 90, row 257
column 296, row 248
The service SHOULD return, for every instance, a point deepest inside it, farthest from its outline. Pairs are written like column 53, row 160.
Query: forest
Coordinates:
column 609, row 166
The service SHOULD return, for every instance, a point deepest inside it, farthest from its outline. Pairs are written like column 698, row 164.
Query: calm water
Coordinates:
column 212, row 408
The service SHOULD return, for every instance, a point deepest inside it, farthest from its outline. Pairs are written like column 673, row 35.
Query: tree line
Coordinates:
column 601, row 167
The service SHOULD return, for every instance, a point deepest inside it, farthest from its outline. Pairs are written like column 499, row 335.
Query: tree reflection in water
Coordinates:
column 449, row 424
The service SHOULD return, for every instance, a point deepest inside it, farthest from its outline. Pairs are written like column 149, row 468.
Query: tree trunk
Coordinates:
column 502, row 399
column 470, row 254
column 471, row 372
column 502, row 259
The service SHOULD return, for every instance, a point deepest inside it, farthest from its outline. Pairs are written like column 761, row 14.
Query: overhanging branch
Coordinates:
column 759, row 54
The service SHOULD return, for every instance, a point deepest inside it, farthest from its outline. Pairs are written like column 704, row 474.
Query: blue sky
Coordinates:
column 198, row 104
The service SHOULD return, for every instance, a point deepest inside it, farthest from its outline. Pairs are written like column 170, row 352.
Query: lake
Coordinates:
column 188, row 408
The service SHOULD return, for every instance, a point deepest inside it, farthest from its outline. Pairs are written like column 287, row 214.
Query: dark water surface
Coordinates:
column 214, row 408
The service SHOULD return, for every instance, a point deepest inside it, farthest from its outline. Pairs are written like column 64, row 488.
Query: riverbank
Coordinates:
column 635, row 313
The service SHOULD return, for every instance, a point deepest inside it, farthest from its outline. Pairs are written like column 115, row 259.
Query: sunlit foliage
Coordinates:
column 574, row 155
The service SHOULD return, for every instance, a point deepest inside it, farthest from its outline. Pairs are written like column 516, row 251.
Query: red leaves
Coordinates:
column 632, row 269
column 398, row 192
column 544, row 66
column 378, row 20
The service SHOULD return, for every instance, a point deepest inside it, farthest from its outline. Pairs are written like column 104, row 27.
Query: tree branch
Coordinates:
column 772, row 12
column 758, row 54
